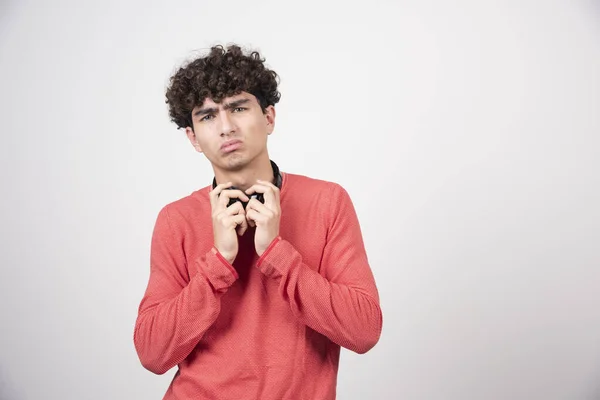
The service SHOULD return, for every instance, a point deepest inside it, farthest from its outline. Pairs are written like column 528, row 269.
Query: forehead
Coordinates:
column 208, row 102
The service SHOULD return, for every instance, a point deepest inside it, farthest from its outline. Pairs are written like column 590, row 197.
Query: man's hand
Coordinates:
column 265, row 216
column 227, row 220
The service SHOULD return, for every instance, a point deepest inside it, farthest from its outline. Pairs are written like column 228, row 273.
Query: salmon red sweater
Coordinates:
column 266, row 327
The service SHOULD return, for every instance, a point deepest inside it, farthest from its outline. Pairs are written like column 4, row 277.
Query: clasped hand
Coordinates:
column 230, row 222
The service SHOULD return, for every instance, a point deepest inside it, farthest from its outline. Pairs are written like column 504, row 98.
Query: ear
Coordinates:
column 270, row 118
column 193, row 140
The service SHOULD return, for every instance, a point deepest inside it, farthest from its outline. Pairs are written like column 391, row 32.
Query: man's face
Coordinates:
column 237, row 119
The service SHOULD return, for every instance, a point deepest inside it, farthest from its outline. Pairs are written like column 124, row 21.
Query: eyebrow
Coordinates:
column 227, row 106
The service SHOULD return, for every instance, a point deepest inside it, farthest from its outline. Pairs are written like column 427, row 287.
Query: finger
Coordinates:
column 255, row 217
column 228, row 194
column 251, row 222
column 213, row 194
column 239, row 223
column 235, row 208
column 256, row 205
column 242, row 224
column 224, row 217
column 271, row 199
column 270, row 184
column 275, row 189
column 258, row 188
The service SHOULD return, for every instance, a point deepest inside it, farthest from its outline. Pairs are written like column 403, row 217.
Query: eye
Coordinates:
column 206, row 117
column 238, row 109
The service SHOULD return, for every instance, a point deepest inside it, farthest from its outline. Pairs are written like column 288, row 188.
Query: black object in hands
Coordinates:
column 257, row 196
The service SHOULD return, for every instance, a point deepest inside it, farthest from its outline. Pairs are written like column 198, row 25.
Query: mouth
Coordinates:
column 230, row 146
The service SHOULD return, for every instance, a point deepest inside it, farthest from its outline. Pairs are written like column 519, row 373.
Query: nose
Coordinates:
column 227, row 125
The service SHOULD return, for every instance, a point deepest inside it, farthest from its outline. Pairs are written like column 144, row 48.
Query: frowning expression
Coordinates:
column 233, row 132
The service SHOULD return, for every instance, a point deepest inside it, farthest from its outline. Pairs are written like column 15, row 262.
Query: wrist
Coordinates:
column 226, row 257
column 269, row 247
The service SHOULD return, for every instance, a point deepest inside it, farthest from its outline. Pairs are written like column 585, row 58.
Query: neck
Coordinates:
column 260, row 168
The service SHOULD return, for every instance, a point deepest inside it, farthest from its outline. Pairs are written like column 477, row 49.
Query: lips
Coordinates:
column 230, row 146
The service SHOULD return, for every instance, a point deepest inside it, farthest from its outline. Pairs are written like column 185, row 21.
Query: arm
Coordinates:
column 341, row 300
column 176, row 311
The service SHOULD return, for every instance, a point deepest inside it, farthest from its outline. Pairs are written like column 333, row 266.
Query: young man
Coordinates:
column 258, row 279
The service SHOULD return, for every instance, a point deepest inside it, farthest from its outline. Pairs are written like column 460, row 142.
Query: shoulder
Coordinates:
column 304, row 192
column 313, row 186
column 186, row 207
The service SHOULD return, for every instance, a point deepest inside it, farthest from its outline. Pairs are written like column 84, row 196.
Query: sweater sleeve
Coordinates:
column 177, row 310
column 340, row 300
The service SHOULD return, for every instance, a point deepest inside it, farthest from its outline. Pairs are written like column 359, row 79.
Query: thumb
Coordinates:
column 241, row 228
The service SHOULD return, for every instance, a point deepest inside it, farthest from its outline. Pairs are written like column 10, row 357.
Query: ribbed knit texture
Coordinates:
column 267, row 328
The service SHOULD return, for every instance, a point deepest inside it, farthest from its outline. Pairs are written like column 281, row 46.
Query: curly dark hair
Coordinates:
column 219, row 74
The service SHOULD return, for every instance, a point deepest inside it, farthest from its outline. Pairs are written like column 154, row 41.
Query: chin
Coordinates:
column 235, row 162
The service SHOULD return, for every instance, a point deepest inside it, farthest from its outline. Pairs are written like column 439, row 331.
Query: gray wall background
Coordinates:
column 466, row 133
